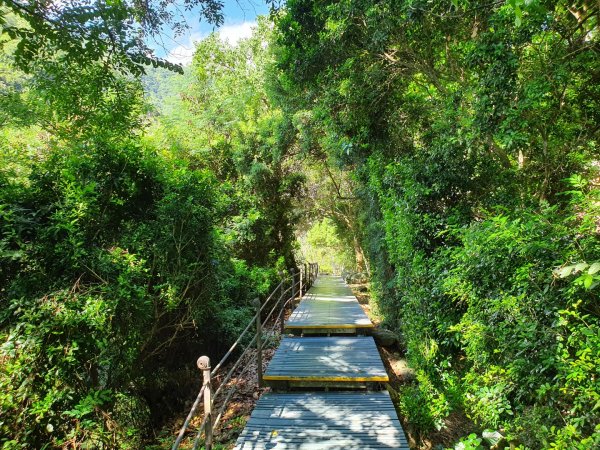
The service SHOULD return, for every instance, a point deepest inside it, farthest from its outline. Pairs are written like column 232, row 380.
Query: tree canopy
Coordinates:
column 471, row 132
column 114, row 33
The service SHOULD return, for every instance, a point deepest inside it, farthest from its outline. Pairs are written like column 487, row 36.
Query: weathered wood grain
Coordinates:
column 352, row 359
column 323, row 421
column 340, row 420
column 329, row 304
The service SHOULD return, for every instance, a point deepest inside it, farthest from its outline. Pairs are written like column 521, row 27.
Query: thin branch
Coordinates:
column 337, row 187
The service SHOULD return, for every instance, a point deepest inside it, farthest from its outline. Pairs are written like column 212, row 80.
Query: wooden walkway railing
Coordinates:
column 289, row 288
column 360, row 417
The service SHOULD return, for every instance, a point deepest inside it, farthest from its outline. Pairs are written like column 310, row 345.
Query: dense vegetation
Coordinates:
column 132, row 237
column 471, row 132
column 447, row 148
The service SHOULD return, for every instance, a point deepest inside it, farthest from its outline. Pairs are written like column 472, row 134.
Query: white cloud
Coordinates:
column 232, row 33
column 183, row 53
column 235, row 32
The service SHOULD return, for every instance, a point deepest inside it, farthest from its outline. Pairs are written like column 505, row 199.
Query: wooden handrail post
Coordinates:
column 281, row 303
column 293, row 283
column 204, row 365
column 307, row 275
column 259, row 367
column 302, row 276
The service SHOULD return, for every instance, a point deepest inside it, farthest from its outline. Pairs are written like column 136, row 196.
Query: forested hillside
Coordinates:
column 446, row 149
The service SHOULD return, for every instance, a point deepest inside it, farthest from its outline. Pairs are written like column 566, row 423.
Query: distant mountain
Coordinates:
column 163, row 88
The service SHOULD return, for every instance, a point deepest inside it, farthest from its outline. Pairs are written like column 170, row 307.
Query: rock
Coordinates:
column 356, row 278
column 401, row 369
column 385, row 338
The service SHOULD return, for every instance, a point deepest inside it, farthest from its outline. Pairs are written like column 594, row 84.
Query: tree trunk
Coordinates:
column 359, row 255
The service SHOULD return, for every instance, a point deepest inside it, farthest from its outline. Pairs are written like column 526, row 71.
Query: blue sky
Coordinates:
column 240, row 17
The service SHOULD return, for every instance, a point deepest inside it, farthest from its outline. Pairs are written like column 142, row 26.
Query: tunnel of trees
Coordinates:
column 446, row 149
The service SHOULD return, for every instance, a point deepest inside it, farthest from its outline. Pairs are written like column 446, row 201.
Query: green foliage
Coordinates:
column 454, row 144
column 122, row 258
column 232, row 129
column 110, row 32
column 322, row 244
column 424, row 405
column 471, row 442
column 106, row 249
column 471, row 132
column 588, row 273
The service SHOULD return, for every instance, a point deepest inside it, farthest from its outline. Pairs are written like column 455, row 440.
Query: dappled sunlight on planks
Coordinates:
column 329, row 304
column 327, row 358
column 326, row 420
column 339, row 420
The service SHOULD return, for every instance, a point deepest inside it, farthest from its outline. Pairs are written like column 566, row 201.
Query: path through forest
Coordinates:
column 327, row 391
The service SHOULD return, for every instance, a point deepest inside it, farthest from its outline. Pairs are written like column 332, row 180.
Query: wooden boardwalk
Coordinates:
column 327, row 359
column 323, row 421
column 329, row 306
column 338, row 420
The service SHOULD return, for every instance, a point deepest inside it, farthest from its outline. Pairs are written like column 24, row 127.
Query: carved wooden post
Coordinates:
column 204, row 365
column 259, row 367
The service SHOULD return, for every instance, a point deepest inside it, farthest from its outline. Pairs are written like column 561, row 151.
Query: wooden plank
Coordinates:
column 328, row 330
column 323, row 421
column 331, row 359
column 329, row 305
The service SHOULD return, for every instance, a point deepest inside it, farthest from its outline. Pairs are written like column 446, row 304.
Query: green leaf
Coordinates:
column 518, row 16
column 594, row 268
column 564, row 272
column 492, row 437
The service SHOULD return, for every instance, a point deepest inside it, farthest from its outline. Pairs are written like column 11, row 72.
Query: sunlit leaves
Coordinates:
column 588, row 274
column 472, row 130
column 113, row 32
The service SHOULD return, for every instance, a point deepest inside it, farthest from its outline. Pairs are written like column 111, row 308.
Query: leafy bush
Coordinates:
column 112, row 267
column 526, row 339
column 125, row 255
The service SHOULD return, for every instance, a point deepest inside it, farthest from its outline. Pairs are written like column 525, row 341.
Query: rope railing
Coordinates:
column 289, row 289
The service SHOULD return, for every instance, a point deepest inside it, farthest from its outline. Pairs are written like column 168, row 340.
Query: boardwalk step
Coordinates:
column 331, row 307
column 333, row 359
column 323, row 421
column 337, row 420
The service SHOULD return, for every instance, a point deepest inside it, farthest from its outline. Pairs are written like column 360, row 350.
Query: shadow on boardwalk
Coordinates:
column 324, row 421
